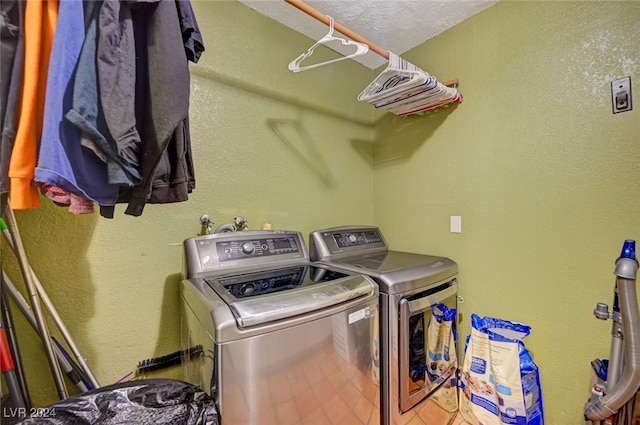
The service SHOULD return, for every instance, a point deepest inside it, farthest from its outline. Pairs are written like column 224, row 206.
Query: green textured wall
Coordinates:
column 544, row 176
column 115, row 282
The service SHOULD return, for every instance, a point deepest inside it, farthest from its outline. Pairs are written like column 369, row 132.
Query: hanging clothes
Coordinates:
column 107, row 120
column 162, row 96
column 88, row 114
column 12, row 41
column 174, row 178
column 11, row 69
column 62, row 161
column 191, row 36
column 39, row 29
column 116, row 68
column 75, row 204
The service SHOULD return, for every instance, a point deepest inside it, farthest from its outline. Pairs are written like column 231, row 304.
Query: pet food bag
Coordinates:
column 499, row 381
column 442, row 359
column 441, row 342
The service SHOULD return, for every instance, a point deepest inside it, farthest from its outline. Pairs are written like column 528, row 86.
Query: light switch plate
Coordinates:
column 456, row 224
column 621, row 95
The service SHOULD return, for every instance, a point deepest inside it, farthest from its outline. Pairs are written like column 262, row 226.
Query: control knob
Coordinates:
column 352, row 238
column 248, row 289
column 247, row 248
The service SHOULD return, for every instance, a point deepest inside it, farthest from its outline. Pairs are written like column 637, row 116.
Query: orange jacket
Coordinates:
column 39, row 28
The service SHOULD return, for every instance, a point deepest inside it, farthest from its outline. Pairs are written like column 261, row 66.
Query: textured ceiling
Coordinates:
column 395, row 25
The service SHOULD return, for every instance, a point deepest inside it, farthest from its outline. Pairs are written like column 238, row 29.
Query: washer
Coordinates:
column 418, row 310
column 284, row 341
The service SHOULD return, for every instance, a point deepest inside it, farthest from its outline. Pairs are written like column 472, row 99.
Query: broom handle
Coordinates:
column 58, row 320
column 43, row 330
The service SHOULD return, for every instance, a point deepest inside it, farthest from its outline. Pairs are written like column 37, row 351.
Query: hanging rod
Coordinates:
column 344, row 30
column 314, row 13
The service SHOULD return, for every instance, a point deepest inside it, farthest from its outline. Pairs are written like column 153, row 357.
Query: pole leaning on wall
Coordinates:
column 34, row 300
column 58, row 320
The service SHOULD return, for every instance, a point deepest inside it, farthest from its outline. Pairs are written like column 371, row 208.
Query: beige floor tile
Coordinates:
column 316, row 418
column 336, row 409
column 307, row 403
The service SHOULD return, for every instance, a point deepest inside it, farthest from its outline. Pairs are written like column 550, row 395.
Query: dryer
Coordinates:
column 418, row 317
column 285, row 341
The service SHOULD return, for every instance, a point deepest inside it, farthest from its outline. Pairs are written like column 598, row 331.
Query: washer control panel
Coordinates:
column 204, row 254
column 238, row 249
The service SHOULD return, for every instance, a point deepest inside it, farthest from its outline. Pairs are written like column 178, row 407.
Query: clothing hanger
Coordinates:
column 419, row 101
column 362, row 48
column 398, row 76
column 404, row 89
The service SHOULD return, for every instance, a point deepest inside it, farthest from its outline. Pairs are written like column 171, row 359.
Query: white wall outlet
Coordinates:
column 456, row 224
column 621, row 94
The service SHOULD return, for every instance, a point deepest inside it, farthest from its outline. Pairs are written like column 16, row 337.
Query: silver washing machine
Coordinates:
column 284, row 341
column 418, row 317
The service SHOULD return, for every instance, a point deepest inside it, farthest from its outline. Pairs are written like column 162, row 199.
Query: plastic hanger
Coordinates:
column 404, row 89
column 397, row 77
column 294, row 65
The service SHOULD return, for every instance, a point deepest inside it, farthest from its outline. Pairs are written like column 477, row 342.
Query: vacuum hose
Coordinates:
column 627, row 386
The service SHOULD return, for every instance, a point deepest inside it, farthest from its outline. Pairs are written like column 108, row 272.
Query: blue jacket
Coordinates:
column 62, row 161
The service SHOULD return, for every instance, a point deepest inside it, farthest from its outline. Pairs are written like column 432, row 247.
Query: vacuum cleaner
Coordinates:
column 617, row 380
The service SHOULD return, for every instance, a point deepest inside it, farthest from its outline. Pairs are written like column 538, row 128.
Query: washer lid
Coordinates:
column 265, row 296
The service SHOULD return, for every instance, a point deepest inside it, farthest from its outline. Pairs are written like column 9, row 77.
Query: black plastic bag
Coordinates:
column 143, row 402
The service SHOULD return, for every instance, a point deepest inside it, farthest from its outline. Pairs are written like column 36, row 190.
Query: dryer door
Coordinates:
column 427, row 342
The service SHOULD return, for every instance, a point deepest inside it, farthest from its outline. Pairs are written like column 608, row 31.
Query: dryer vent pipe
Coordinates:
column 626, row 387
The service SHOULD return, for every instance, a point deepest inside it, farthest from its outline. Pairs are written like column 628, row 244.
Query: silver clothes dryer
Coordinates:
column 418, row 318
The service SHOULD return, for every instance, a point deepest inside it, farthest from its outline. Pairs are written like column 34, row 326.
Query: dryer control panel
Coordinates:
column 363, row 237
column 345, row 240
